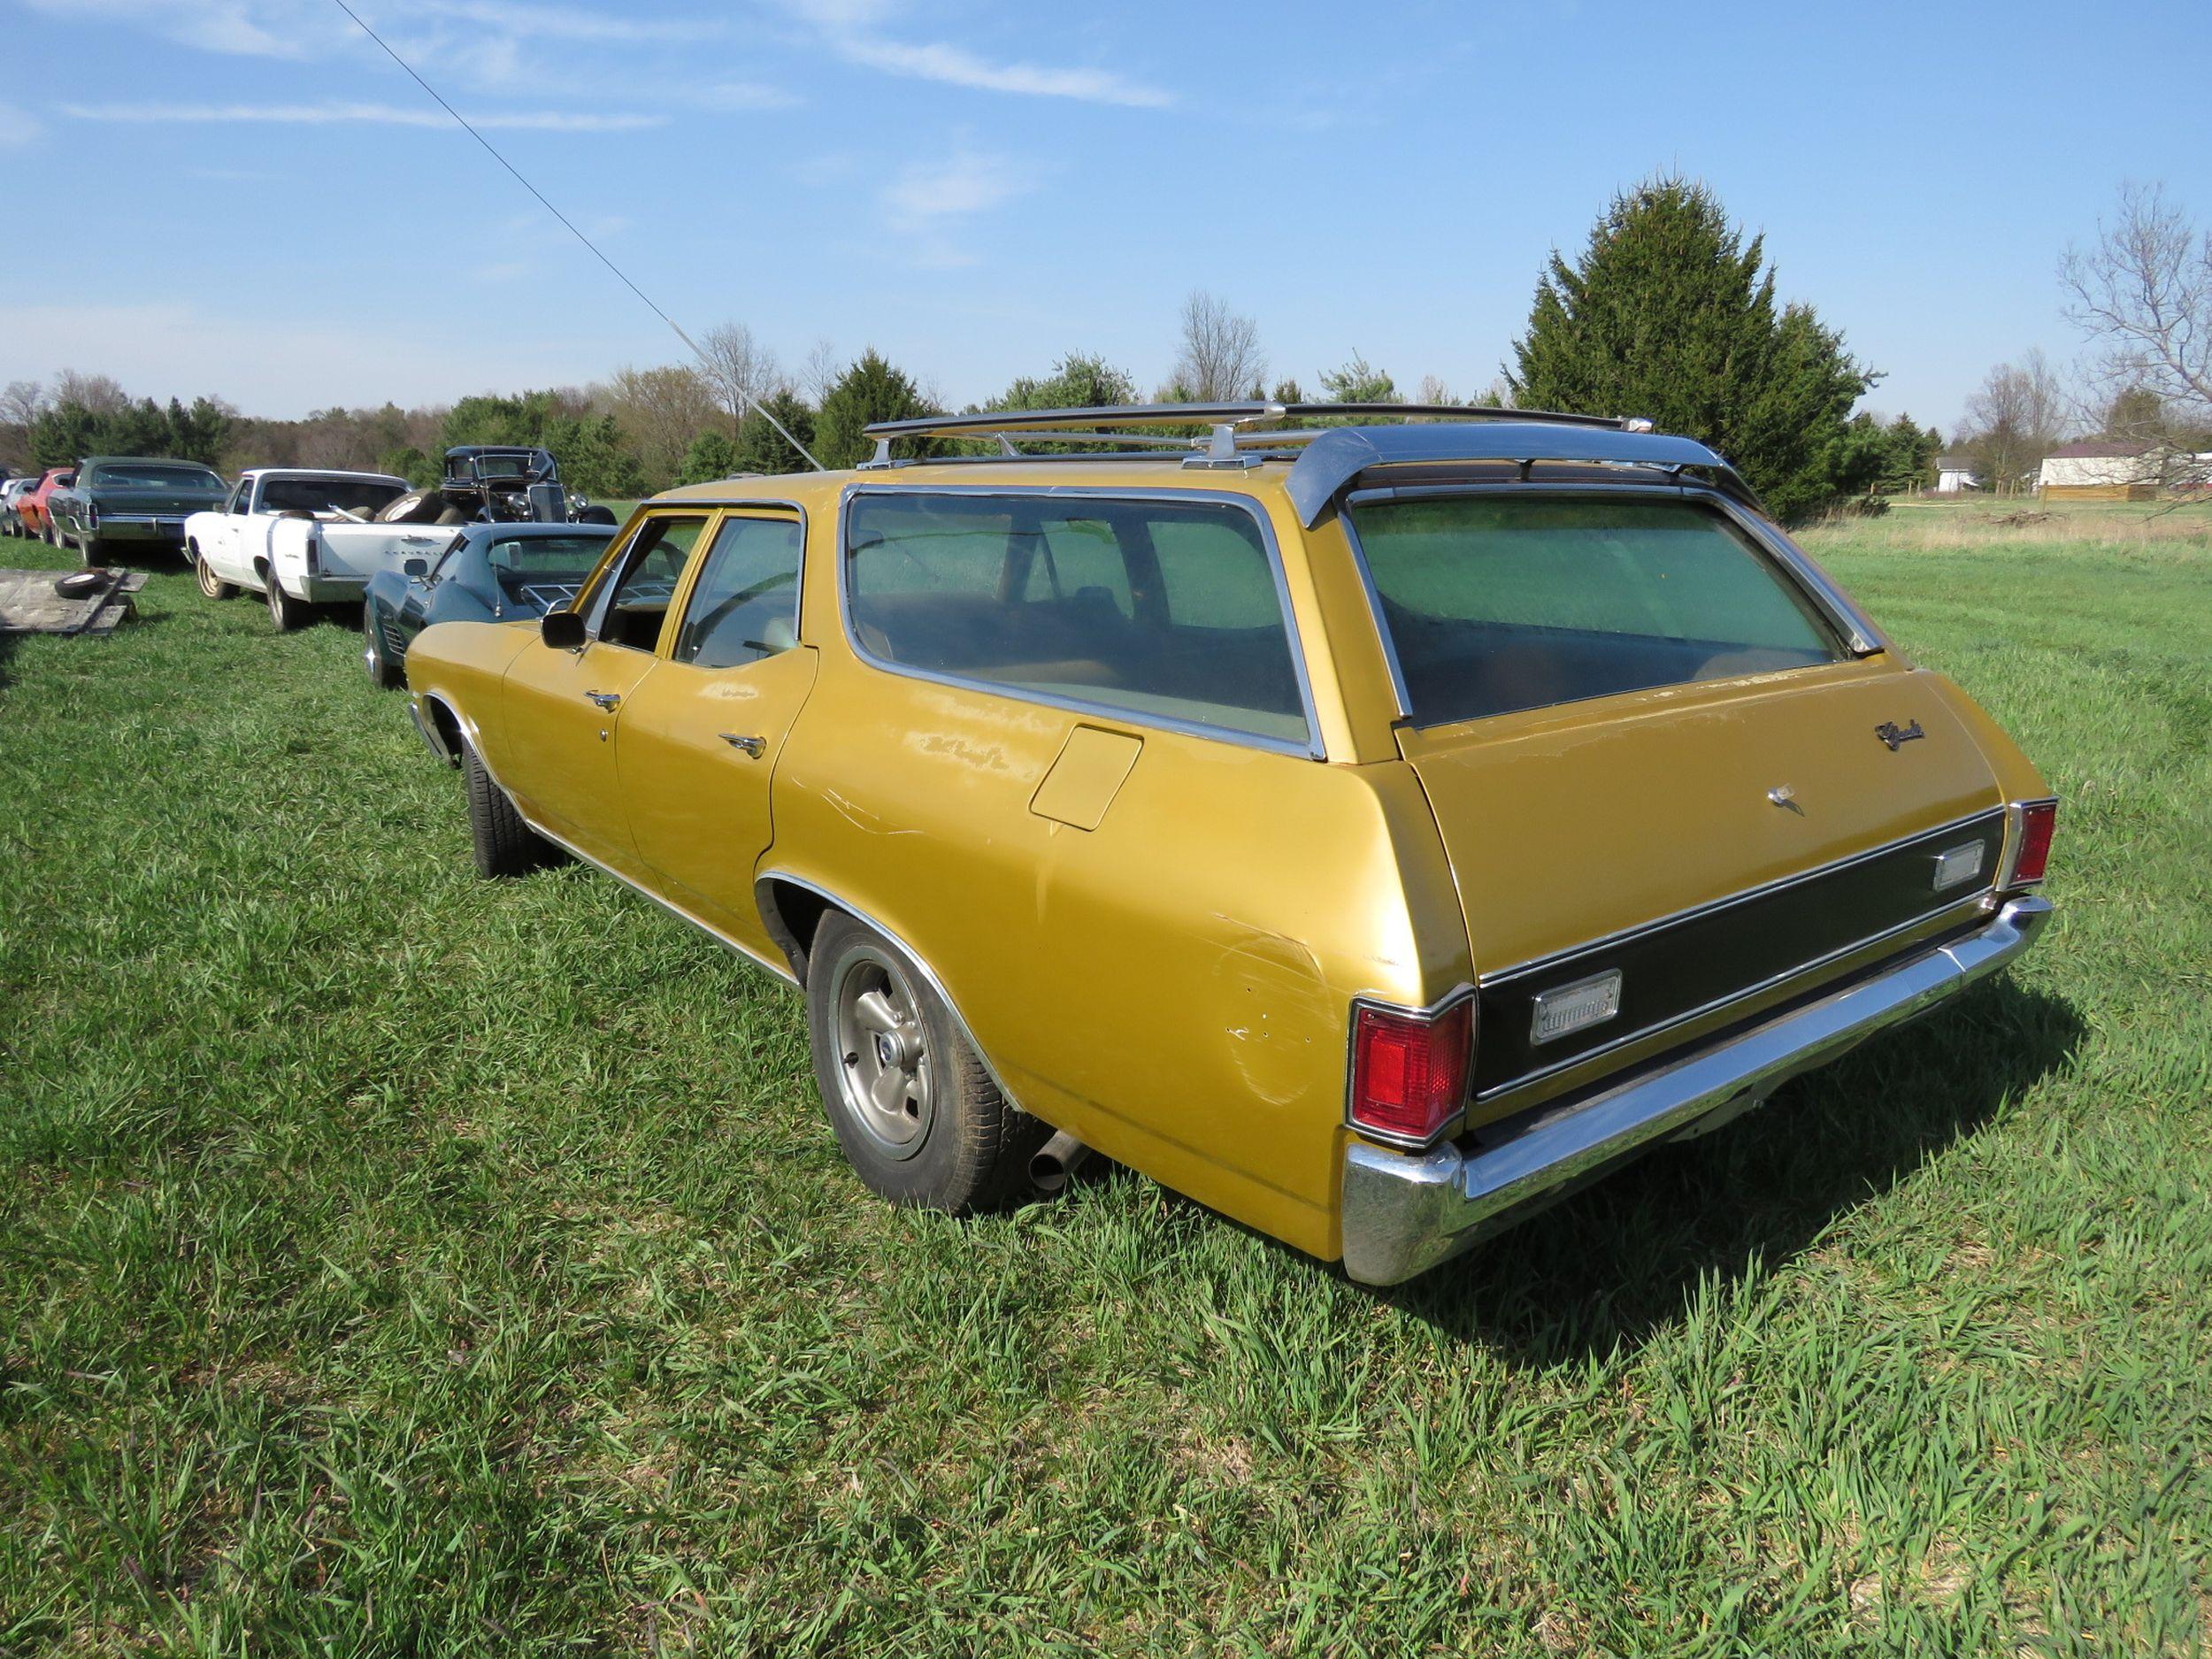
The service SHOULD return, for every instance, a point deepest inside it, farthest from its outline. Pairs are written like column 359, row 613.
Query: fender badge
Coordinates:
column 1897, row 736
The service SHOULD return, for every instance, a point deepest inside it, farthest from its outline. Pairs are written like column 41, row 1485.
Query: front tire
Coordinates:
column 505, row 846
column 914, row 1110
column 213, row 585
column 287, row 612
column 383, row 675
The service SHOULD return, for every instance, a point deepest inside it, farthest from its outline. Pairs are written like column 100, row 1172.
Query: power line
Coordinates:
column 491, row 150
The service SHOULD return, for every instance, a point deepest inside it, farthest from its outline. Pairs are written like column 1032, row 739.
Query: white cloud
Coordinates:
column 956, row 67
column 335, row 113
column 734, row 95
column 17, row 127
column 847, row 26
column 568, row 23
column 250, row 28
column 926, row 200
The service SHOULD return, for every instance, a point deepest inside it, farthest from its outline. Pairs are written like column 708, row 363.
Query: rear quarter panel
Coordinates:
column 1174, row 986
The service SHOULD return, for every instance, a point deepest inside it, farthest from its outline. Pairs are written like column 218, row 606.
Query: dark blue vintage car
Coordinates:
column 492, row 572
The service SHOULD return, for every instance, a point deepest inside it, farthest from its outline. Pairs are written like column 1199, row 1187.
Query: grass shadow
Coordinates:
column 1611, row 1266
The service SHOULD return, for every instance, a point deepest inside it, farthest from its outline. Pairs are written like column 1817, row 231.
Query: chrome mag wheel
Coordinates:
column 884, row 1071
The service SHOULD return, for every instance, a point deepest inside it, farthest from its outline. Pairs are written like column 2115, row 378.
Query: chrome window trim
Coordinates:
column 706, row 551
column 1975, row 903
column 1444, row 1004
column 706, row 512
column 1312, row 748
column 1856, row 631
column 1609, row 942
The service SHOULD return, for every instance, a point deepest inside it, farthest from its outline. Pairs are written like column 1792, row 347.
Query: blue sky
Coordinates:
column 246, row 198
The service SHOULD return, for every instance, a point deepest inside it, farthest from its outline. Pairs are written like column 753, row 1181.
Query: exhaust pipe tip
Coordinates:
column 1052, row 1163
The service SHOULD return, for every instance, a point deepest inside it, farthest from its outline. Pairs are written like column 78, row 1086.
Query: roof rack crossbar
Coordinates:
column 1064, row 423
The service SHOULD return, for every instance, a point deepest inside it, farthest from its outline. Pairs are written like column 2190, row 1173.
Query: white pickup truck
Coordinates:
column 302, row 538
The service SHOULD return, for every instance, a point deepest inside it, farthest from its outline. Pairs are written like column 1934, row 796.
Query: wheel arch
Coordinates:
column 441, row 726
column 792, row 908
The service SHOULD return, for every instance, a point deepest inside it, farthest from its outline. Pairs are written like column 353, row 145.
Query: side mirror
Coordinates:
column 416, row 567
column 563, row 630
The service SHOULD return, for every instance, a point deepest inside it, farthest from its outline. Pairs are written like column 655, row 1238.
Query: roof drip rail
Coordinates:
column 1241, row 418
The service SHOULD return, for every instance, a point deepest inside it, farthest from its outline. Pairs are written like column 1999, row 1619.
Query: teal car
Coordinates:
column 491, row 572
column 118, row 501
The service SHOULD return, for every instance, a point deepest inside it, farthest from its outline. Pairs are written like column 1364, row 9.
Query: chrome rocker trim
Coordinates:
column 1404, row 1215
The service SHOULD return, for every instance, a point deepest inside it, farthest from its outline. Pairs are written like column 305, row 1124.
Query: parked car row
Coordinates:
column 1373, row 832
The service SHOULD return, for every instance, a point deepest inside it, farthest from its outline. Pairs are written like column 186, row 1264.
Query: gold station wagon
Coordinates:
column 1368, row 830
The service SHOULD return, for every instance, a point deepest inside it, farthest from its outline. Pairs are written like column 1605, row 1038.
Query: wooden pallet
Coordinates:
column 30, row 605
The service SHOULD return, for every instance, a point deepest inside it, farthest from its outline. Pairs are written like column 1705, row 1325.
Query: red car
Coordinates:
column 32, row 508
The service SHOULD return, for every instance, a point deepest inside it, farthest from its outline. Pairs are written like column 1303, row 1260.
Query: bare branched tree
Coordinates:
column 661, row 410
column 1432, row 391
column 820, row 372
column 741, row 369
column 1218, row 358
column 22, row 403
column 101, row 394
column 2016, row 417
column 2143, row 294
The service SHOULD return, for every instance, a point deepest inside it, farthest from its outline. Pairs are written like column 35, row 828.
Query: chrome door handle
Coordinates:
column 604, row 699
column 753, row 746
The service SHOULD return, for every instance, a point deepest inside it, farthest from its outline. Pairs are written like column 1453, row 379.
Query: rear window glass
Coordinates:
column 1499, row 603
column 326, row 495
column 1161, row 608
column 154, row 476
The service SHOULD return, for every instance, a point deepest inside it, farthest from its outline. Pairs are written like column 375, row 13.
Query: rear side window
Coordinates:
column 1498, row 602
column 1169, row 608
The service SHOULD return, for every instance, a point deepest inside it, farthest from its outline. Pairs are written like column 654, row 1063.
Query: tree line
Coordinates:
column 1669, row 310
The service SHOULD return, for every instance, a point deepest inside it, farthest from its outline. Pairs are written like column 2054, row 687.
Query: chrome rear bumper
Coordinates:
column 1403, row 1213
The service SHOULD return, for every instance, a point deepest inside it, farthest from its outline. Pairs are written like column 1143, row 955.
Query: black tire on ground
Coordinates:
column 935, row 1131
column 382, row 674
column 287, row 612
column 505, row 846
column 596, row 515
column 213, row 585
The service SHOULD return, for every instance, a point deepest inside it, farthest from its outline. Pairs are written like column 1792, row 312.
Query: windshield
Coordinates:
column 1497, row 602
column 328, row 495
column 544, row 570
column 155, row 475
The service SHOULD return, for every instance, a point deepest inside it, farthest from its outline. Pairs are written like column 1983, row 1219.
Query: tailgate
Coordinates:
column 363, row 549
column 1605, row 836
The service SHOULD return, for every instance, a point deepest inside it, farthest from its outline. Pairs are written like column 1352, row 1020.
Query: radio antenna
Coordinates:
column 492, row 150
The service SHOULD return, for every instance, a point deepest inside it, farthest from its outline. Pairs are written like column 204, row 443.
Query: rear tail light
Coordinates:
column 314, row 556
column 2034, row 820
column 1410, row 1071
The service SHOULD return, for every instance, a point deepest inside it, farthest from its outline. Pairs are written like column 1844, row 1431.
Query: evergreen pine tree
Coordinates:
column 869, row 391
column 1671, row 313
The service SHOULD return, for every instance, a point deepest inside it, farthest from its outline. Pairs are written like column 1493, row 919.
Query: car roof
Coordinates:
column 141, row 460
column 320, row 472
column 1307, row 468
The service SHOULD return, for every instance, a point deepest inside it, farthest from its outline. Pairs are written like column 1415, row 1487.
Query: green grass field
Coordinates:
column 394, row 1264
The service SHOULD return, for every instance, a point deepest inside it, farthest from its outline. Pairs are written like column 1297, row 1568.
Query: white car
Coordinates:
column 302, row 538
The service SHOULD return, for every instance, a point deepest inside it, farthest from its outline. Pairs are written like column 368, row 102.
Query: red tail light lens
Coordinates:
column 2038, row 819
column 1410, row 1071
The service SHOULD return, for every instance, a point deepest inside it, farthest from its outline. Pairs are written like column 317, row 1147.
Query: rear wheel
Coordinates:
column 287, row 612
column 505, row 846
column 213, row 585
column 383, row 675
column 912, row 1106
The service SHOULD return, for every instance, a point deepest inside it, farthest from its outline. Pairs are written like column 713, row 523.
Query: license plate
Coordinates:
column 1960, row 865
column 1568, row 1009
